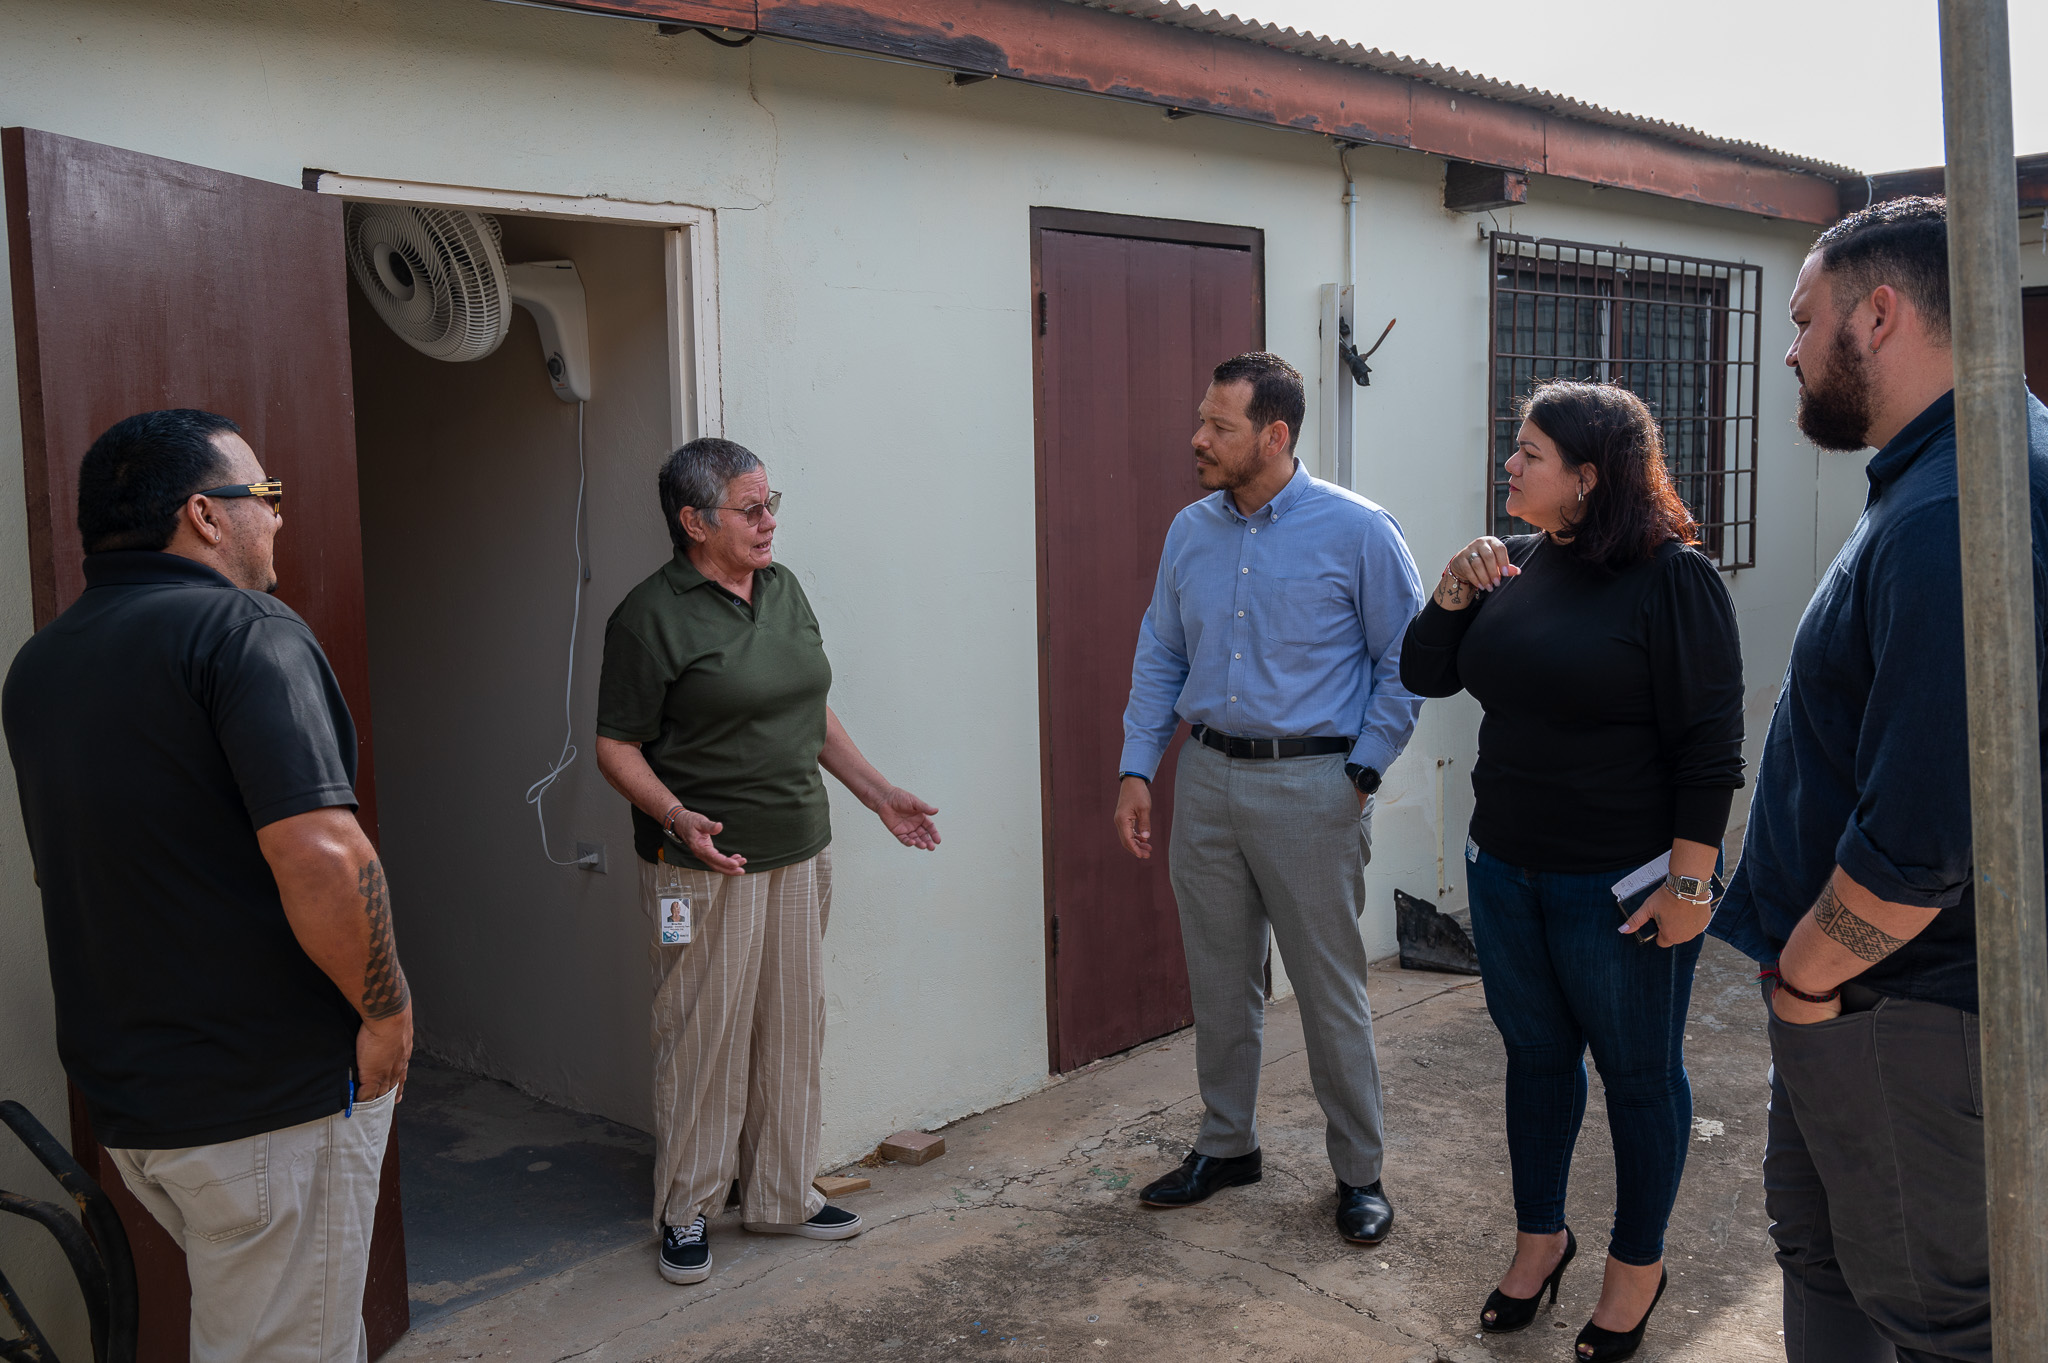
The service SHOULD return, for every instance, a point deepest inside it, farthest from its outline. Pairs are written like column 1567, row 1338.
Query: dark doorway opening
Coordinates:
column 1129, row 315
column 530, row 977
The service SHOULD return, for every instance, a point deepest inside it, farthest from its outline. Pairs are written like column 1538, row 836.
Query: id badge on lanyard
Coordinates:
column 674, row 910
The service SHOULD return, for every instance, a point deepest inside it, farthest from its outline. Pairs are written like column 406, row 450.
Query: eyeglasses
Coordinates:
column 271, row 492
column 771, row 507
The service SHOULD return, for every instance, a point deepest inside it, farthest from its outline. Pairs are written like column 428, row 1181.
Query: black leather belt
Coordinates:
column 1269, row 747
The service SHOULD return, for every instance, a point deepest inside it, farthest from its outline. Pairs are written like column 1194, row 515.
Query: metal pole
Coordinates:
column 1999, row 634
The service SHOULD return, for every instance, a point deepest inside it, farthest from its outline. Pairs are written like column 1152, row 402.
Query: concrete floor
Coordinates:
column 1026, row 1235
column 501, row 1189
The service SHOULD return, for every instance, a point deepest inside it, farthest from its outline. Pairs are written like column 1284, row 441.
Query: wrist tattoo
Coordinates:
column 385, row 992
column 1840, row 922
column 1452, row 592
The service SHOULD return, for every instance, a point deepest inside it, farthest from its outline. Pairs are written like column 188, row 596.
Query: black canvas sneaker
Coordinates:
column 831, row 1223
column 685, row 1253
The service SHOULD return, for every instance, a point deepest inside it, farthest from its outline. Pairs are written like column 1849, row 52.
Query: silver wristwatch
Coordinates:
column 1691, row 889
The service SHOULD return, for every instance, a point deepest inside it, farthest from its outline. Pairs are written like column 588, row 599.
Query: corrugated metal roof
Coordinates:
column 1464, row 82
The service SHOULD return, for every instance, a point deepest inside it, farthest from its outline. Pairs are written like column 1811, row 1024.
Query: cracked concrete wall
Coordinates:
column 873, row 278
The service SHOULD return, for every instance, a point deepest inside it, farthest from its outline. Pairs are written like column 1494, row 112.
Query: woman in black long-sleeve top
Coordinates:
column 1604, row 653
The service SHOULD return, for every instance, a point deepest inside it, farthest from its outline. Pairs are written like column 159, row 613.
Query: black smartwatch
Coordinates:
column 1365, row 778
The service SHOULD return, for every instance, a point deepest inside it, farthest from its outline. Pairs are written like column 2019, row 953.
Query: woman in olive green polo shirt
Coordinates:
column 711, row 719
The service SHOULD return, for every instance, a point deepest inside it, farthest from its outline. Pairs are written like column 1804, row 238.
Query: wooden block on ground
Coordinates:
column 831, row 1186
column 912, row 1147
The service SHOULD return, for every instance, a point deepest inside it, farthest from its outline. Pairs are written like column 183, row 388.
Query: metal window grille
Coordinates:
column 1679, row 332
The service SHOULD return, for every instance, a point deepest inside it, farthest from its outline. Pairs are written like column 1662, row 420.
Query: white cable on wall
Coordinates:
column 536, row 792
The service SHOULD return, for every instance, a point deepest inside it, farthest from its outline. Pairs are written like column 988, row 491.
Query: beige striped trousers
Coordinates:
column 739, row 1027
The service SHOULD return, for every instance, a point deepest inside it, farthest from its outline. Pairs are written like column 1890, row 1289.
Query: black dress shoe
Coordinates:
column 1364, row 1216
column 1198, row 1177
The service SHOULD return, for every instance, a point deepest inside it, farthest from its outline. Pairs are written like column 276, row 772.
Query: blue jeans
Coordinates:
column 1560, row 978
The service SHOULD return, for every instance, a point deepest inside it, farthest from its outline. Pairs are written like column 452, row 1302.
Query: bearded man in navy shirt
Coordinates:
column 1855, row 883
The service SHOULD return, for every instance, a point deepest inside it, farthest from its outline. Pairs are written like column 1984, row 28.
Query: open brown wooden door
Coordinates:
column 139, row 284
column 1132, row 315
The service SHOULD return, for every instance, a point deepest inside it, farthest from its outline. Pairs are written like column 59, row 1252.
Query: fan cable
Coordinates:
column 536, row 792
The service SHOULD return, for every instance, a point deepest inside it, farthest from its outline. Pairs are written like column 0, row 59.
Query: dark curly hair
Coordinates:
column 1633, row 509
column 1900, row 242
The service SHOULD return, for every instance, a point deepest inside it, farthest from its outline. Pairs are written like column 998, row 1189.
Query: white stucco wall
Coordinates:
column 873, row 275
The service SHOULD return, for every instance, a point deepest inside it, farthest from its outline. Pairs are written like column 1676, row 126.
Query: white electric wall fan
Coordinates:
column 438, row 277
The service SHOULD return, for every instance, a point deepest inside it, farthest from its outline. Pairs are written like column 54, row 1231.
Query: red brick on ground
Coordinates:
column 913, row 1147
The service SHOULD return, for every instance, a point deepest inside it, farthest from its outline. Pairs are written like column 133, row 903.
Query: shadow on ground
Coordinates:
column 501, row 1189
column 1026, row 1235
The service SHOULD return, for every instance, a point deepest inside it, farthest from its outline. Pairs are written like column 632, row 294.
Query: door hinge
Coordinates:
column 1055, row 934
column 1041, row 312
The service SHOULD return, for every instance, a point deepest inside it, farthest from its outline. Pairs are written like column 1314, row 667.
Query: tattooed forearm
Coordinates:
column 1840, row 922
column 384, row 989
column 1451, row 593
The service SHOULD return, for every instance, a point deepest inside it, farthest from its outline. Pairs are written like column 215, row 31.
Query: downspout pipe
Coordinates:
column 1350, row 219
column 1998, row 657
column 1347, row 312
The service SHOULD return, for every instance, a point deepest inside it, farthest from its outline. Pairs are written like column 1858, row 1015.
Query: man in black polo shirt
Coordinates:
column 1855, row 883
column 229, row 999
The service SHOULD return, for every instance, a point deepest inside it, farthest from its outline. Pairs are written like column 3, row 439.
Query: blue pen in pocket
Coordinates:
column 350, row 1110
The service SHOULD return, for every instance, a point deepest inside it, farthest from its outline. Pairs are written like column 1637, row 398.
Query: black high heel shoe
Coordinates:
column 1611, row 1346
column 1503, row 1315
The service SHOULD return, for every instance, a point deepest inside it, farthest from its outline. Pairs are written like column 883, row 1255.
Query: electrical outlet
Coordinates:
column 590, row 856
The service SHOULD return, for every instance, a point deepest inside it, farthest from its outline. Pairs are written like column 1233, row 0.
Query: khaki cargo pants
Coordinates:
column 739, row 1026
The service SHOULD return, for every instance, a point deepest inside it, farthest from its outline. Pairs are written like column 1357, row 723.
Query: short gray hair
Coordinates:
column 698, row 475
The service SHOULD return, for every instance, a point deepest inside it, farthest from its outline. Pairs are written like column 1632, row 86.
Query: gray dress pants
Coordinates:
column 1276, row 846
column 1874, row 1183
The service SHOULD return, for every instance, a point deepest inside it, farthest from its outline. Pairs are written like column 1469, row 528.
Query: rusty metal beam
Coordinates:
column 2031, row 171
column 1069, row 47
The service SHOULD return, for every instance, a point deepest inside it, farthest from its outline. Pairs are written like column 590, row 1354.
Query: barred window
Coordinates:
column 1679, row 332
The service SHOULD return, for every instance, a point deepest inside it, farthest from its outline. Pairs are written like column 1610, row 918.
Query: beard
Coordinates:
column 1224, row 475
column 1835, row 414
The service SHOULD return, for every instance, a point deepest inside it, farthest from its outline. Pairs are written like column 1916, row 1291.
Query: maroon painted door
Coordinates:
column 2034, row 334
column 141, row 283
column 1130, row 327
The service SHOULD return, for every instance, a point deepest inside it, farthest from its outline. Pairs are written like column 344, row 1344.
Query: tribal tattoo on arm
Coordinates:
column 1840, row 922
column 385, row 992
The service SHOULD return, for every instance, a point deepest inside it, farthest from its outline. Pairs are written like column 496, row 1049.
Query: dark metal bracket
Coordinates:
column 1361, row 372
column 93, row 1243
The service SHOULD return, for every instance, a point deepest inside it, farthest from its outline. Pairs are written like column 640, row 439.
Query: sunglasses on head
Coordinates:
column 271, row 492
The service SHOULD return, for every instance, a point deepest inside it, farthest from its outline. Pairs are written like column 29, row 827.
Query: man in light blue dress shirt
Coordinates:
column 1275, row 630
